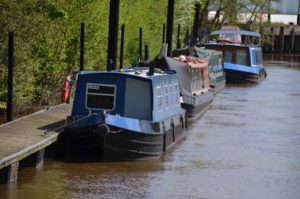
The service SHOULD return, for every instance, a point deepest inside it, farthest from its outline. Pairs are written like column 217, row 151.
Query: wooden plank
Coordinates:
column 25, row 136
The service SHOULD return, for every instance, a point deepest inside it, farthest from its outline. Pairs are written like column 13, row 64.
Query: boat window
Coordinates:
column 171, row 94
column 159, row 98
column 241, row 57
column 202, row 79
column 228, row 56
column 177, row 94
column 166, row 96
column 256, row 57
column 100, row 96
column 138, row 99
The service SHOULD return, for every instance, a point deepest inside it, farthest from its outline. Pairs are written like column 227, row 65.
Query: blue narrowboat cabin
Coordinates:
column 127, row 114
column 242, row 53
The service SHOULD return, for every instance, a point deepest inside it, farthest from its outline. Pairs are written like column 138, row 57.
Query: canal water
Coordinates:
column 247, row 145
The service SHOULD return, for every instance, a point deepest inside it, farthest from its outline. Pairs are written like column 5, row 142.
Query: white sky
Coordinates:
column 286, row 7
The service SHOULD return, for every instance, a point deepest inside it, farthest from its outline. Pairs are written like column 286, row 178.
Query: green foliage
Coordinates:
column 47, row 40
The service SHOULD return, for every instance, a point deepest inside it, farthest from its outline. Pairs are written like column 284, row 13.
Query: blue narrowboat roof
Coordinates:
column 238, row 32
column 140, row 72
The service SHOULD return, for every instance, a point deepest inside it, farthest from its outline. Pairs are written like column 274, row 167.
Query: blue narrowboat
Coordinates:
column 123, row 115
column 242, row 53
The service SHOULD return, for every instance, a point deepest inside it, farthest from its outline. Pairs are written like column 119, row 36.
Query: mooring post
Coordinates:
column 113, row 34
column 141, row 44
column 272, row 39
column 292, row 40
column 82, row 37
column 281, row 39
column 164, row 33
column 34, row 160
column 170, row 19
column 178, row 37
column 147, row 53
column 122, row 45
column 196, row 20
column 269, row 11
column 298, row 17
column 10, row 81
column 9, row 174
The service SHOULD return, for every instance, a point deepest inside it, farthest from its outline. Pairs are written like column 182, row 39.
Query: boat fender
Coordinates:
column 265, row 73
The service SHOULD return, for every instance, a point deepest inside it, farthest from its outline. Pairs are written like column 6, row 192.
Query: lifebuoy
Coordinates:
column 65, row 97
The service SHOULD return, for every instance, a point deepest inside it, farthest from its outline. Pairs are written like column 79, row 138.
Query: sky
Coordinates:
column 286, row 7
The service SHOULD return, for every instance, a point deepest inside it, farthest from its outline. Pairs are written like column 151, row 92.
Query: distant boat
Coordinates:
column 217, row 77
column 123, row 115
column 243, row 61
column 196, row 94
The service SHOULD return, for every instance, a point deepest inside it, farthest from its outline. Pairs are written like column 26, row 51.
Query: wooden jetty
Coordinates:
column 281, row 39
column 23, row 141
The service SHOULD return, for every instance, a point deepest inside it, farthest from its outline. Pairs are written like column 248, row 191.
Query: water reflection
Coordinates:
column 246, row 146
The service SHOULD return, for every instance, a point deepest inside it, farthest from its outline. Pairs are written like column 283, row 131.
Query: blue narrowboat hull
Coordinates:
column 240, row 73
column 120, row 138
column 112, row 143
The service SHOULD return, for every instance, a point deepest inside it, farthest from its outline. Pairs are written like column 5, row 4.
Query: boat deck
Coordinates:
column 28, row 135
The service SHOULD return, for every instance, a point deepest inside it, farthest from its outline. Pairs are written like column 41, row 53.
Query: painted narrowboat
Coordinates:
column 196, row 95
column 129, row 114
column 217, row 77
column 242, row 53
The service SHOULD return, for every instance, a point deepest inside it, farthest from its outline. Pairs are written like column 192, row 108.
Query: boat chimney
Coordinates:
column 151, row 68
column 170, row 19
column 113, row 34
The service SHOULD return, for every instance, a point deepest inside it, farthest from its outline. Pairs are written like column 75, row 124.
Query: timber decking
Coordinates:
column 27, row 135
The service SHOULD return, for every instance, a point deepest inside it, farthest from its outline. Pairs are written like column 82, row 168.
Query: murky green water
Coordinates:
column 247, row 145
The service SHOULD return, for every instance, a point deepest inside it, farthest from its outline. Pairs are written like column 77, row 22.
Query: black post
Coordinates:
column 10, row 66
column 81, row 61
column 292, row 40
column 141, row 44
column 170, row 19
column 196, row 21
column 269, row 11
column 147, row 54
column 113, row 34
column 122, row 45
column 164, row 33
column 151, row 68
column 281, row 39
column 178, row 37
column 298, row 17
